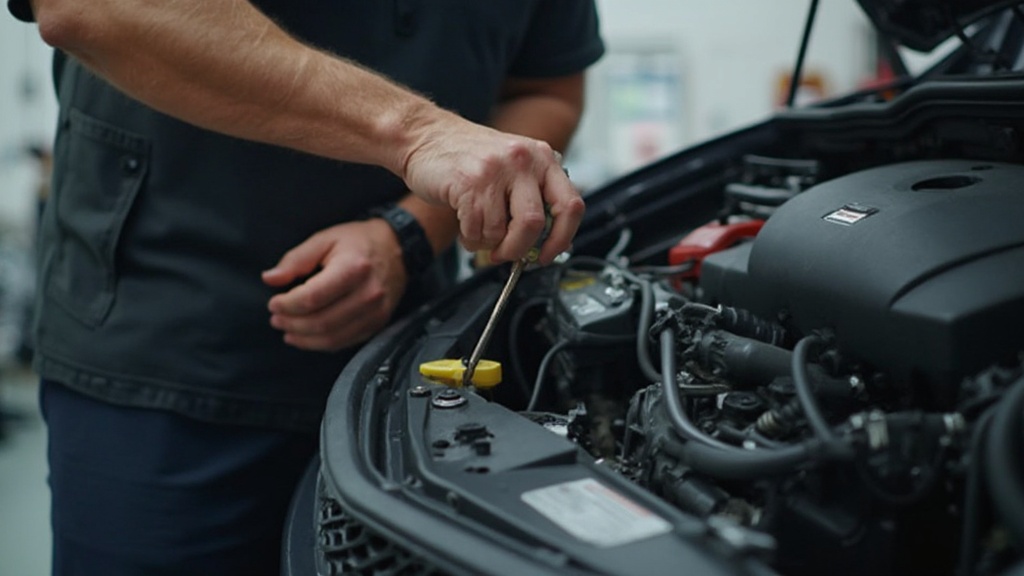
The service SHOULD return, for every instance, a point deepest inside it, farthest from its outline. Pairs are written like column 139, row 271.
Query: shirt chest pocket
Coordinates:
column 102, row 171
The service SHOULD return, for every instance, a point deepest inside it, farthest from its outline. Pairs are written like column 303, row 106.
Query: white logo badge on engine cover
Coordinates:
column 850, row 214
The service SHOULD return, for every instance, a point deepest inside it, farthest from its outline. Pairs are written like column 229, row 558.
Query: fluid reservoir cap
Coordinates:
column 449, row 372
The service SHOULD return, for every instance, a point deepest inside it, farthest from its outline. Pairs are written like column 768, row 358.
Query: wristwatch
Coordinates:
column 417, row 253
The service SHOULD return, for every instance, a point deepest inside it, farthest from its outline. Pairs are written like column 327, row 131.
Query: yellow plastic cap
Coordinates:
column 450, row 371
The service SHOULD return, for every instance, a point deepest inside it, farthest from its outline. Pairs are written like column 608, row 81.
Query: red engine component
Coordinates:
column 708, row 239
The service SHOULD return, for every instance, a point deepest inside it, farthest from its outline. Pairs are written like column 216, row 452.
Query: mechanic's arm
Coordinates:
column 226, row 67
column 361, row 277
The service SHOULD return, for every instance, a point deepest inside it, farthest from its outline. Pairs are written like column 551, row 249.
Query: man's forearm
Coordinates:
column 546, row 109
column 226, row 67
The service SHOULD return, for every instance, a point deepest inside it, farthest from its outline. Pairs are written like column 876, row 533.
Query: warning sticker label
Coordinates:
column 595, row 514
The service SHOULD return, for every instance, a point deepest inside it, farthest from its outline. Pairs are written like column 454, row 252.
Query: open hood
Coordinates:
column 924, row 24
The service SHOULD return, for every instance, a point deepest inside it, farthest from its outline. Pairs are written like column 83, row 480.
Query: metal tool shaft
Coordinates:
column 492, row 322
column 510, row 284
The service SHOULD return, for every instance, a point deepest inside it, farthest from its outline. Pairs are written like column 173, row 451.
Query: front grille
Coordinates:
column 347, row 546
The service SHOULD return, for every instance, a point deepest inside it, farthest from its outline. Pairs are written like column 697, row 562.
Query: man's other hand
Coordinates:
column 355, row 280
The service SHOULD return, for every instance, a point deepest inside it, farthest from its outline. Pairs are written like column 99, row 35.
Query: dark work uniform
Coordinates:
column 181, row 420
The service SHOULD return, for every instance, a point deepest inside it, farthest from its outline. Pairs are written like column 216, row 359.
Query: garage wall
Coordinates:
column 727, row 56
column 27, row 112
column 732, row 51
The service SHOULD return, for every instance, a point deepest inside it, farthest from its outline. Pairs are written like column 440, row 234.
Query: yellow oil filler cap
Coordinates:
column 449, row 372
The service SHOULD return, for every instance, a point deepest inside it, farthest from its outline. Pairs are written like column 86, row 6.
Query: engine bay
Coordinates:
column 833, row 299
column 846, row 376
column 793, row 349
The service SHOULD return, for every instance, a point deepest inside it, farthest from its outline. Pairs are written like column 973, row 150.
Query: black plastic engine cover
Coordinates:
column 918, row 268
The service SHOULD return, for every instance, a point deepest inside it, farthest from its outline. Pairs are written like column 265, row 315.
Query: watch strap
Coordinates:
column 417, row 253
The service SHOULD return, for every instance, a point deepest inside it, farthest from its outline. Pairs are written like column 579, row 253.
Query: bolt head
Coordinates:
column 448, row 398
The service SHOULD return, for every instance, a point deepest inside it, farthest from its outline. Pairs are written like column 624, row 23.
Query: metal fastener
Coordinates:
column 448, row 398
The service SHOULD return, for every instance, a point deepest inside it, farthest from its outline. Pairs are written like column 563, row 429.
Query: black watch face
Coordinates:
column 402, row 218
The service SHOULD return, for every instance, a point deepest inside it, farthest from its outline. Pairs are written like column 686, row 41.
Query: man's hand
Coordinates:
column 357, row 280
column 498, row 185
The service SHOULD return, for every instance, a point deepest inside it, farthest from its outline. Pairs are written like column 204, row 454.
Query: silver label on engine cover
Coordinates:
column 596, row 514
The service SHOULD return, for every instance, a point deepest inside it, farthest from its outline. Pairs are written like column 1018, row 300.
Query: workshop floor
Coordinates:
column 24, row 495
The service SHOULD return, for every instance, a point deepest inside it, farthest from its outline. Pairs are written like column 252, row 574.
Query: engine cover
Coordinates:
column 918, row 268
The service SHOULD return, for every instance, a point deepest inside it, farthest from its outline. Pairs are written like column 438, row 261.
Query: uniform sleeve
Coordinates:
column 562, row 39
column 21, row 10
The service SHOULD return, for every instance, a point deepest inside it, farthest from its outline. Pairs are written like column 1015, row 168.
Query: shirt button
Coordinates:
column 130, row 164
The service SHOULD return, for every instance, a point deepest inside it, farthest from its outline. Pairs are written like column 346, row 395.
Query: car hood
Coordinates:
column 924, row 24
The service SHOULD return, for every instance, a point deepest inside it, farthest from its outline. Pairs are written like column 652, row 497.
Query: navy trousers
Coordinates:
column 144, row 492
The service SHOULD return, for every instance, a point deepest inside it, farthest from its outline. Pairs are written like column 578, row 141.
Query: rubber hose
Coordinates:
column 1002, row 463
column 804, row 393
column 713, row 457
column 974, row 493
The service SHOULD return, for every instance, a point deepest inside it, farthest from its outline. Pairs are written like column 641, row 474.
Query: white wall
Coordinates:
column 729, row 54
column 27, row 115
column 731, row 51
